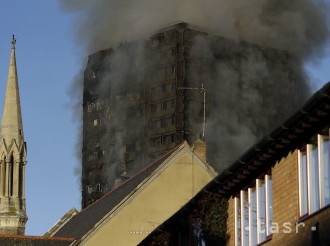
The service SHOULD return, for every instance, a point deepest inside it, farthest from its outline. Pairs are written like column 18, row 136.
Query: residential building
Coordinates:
column 277, row 193
column 144, row 97
column 129, row 213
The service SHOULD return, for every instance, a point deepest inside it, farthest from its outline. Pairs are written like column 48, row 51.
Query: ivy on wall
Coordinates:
column 212, row 211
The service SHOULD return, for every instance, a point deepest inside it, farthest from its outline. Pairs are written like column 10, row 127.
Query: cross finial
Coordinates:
column 13, row 42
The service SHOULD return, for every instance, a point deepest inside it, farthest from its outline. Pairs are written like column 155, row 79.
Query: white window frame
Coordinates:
column 321, row 164
column 251, row 228
column 242, row 197
column 268, row 222
column 320, row 141
column 237, row 207
column 258, row 185
column 309, row 149
column 239, row 214
column 300, row 183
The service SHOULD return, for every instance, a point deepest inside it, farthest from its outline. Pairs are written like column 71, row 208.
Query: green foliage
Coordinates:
column 212, row 210
column 160, row 239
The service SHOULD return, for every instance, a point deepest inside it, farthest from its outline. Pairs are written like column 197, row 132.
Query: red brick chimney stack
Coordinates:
column 200, row 149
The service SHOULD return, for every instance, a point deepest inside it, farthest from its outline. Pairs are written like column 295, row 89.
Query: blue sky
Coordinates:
column 46, row 66
column 47, row 62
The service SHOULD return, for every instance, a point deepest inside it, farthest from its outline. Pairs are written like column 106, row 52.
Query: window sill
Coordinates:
column 307, row 216
column 268, row 238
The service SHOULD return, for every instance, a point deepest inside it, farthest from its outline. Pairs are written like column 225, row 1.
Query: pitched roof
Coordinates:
column 81, row 223
column 59, row 224
column 9, row 240
column 297, row 130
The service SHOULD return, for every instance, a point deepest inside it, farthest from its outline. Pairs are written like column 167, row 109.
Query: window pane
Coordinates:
column 261, row 203
column 325, row 160
column 237, row 222
column 313, row 178
column 245, row 218
column 303, row 183
column 269, row 202
column 253, row 216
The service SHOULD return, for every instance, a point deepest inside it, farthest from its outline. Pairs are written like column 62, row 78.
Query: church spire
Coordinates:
column 12, row 157
column 12, row 127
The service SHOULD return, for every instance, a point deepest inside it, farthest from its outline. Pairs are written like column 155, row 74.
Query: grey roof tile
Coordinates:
column 81, row 223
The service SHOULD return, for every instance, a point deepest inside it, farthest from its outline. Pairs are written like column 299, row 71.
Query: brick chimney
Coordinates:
column 200, row 149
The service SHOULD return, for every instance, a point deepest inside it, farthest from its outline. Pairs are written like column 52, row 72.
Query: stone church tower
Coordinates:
column 12, row 157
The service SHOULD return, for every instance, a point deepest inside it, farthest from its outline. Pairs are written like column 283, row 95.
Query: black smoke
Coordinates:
column 296, row 26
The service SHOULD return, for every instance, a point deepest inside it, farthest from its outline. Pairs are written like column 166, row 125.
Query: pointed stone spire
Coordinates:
column 12, row 158
column 12, row 127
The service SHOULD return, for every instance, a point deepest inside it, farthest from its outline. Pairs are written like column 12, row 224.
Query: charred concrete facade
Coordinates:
column 157, row 100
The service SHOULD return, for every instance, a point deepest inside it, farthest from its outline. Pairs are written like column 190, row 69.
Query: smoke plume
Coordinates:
column 297, row 26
